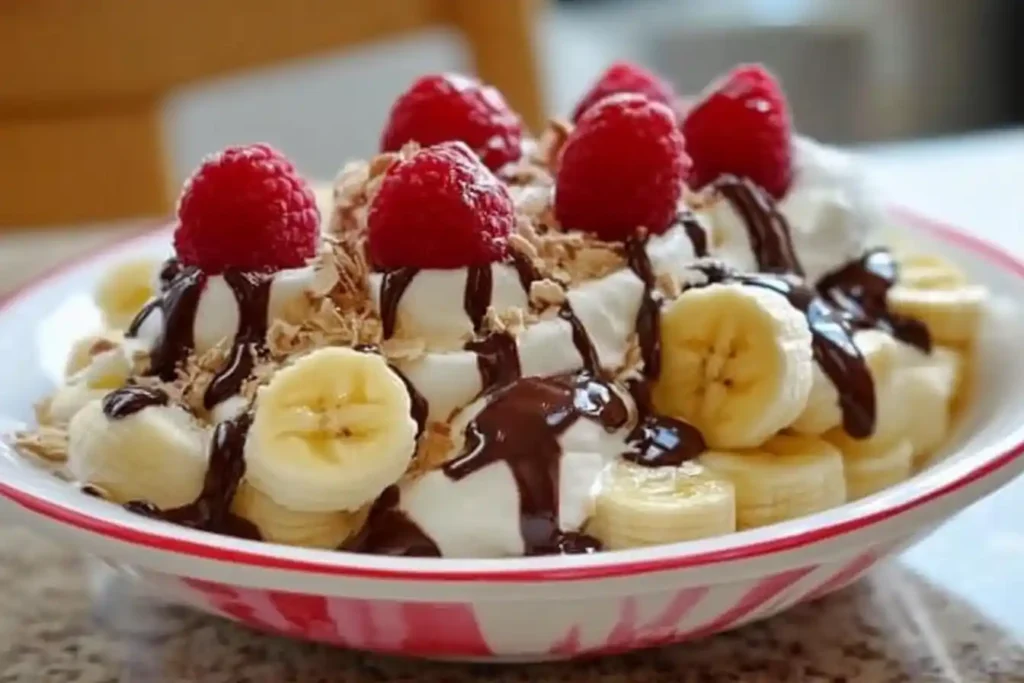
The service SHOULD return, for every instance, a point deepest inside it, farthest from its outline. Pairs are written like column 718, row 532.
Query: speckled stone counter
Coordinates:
column 64, row 619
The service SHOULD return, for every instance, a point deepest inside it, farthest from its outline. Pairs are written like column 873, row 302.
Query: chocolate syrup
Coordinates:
column 252, row 292
column 476, row 297
column 695, row 231
column 860, row 288
column 520, row 426
column 121, row 403
column 648, row 318
column 178, row 305
column 660, row 441
column 581, row 340
column 497, row 359
column 392, row 287
column 769, row 233
column 527, row 272
column 169, row 272
column 211, row 510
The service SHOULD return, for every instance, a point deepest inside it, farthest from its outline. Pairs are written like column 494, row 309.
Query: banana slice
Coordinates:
column 736, row 363
column 330, row 432
column 822, row 411
column 870, row 468
column 930, row 383
column 787, row 477
column 106, row 371
column 87, row 348
column 157, row 454
column 936, row 292
column 281, row 525
column 125, row 288
column 640, row 506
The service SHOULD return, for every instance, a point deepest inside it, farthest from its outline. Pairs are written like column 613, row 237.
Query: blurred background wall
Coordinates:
column 855, row 70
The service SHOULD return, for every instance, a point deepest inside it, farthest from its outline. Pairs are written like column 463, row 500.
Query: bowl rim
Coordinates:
column 166, row 537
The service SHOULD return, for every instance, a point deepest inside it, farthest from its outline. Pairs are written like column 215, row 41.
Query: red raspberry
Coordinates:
column 246, row 208
column 444, row 107
column 622, row 168
column 742, row 127
column 623, row 77
column 440, row 208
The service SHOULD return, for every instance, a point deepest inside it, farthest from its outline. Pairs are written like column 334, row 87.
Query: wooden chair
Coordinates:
column 82, row 82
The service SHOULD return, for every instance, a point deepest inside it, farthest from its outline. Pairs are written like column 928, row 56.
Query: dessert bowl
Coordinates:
column 515, row 609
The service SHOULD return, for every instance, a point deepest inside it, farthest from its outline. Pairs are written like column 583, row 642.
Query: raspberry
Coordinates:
column 742, row 127
column 445, row 107
column 623, row 77
column 440, row 208
column 246, row 208
column 622, row 168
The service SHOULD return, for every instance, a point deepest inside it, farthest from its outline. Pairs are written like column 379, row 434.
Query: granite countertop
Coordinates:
column 936, row 613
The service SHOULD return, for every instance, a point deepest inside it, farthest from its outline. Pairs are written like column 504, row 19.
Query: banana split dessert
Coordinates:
column 646, row 325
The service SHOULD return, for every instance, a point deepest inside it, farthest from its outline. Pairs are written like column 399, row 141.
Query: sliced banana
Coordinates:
column 330, row 432
column 736, row 363
column 308, row 529
column 88, row 347
column 936, row 292
column 125, row 288
column 640, row 506
column 871, row 468
column 822, row 411
column 787, row 477
column 158, row 454
column 105, row 372
column 930, row 383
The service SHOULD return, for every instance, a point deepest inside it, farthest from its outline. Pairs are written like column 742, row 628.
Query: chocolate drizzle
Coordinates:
column 695, row 231
column 520, row 426
column 476, row 297
column 169, row 272
column 661, row 441
column 121, row 403
column 528, row 273
column 860, row 288
column 178, row 305
column 211, row 510
column 581, row 339
column 497, row 359
column 392, row 287
column 648, row 318
column 252, row 292
column 769, row 233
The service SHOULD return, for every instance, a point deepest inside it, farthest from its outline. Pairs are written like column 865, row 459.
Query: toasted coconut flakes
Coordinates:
column 545, row 293
column 668, row 284
column 519, row 243
column 403, row 349
column 552, row 140
column 512, row 320
column 382, row 162
column 46, row 443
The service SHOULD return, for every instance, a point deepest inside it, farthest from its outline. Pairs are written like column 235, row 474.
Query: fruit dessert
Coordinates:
column 645, row 326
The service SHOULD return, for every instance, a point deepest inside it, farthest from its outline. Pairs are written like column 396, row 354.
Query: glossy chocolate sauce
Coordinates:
column 252, row 293
column 661, row 441
column 769, row 233
column 497, row 359
column 520, row 426
column 178, row 304
column 476, row 297
column 169, row 272
column 648, row 318
column 695, row 231
column 392, row 288
column 860, row 288
column 211, row 510
column 581, row 340
column 528, row 273
column 121, row 403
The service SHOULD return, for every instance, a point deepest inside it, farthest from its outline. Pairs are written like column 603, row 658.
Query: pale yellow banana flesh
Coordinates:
column 870, row 468
column 125, row 288
column 787, row 477
column 641, row 506
column 85, row 349
column 936, row 292
column 736, row 363
column 307, row 529
column 330, row 432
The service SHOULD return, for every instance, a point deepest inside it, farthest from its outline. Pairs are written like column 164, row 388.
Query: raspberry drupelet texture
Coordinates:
column 742, row 127
column 445, row 107
column 626, row 77
column 622, row 168
column 440, row 208
column 246, row 208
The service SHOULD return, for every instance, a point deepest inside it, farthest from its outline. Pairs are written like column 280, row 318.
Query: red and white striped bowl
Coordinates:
column 515, row 609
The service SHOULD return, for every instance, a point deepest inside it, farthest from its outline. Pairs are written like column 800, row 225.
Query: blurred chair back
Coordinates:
column 82, row 82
